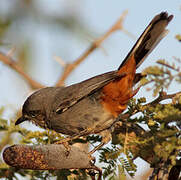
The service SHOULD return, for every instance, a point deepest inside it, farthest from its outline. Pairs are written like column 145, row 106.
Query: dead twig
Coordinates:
column 163, row 96
column 6, row 59
column 70, row 67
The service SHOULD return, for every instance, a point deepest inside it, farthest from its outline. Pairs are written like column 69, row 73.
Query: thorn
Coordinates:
column 60, row 61
column 10, row 52
column 103, row 50
column 132, row 36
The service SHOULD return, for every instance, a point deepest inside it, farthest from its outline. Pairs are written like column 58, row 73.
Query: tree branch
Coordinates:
column 70, row 67
column 12, row 64
column 163, row 96
column 46, row 157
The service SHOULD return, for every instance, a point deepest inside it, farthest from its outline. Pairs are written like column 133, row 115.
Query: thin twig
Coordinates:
column 10, row 52
column 60, row 61
column 131, row 35
column 168, row 65
column 11, row 63
column 163, row 96
column 70, row 67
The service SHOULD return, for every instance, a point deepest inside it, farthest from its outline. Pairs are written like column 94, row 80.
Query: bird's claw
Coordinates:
column 65, row 143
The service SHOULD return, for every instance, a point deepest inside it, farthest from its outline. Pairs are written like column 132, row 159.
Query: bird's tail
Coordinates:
column 152, row 35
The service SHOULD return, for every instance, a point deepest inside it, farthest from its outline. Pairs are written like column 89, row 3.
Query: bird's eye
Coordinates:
column 33, row 114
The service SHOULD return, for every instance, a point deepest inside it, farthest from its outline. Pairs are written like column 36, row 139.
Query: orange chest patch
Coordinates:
column 117, row 93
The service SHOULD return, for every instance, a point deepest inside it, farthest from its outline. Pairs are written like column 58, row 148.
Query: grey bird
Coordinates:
column 93, row 106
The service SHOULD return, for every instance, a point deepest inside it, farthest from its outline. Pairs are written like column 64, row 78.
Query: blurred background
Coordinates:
column 40, row 30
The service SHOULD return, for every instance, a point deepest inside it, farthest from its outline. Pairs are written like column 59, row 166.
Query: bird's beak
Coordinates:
column 20, row 120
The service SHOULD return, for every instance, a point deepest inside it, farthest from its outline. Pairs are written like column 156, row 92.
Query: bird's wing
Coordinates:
column 70, row 95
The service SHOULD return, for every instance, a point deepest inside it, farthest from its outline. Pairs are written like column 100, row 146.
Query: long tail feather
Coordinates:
column 152, row 35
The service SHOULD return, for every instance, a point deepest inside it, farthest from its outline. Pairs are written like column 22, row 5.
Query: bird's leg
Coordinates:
column 106, row 137
column 65, row 144
column 96, row 148
column 71, row 138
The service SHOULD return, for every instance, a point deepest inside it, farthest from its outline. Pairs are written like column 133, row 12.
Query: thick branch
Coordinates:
column 11, row 63
column 70, row 67
column 46, row 157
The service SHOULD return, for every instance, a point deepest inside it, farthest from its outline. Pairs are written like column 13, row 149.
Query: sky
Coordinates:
column 97, row 15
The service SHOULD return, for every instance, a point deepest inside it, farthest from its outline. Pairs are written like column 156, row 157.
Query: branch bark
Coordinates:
column 46, row 157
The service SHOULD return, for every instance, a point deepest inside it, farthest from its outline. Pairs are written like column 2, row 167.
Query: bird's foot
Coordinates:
column 65, row 143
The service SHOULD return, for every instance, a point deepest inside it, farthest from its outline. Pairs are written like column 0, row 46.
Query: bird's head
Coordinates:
column 34, row 108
